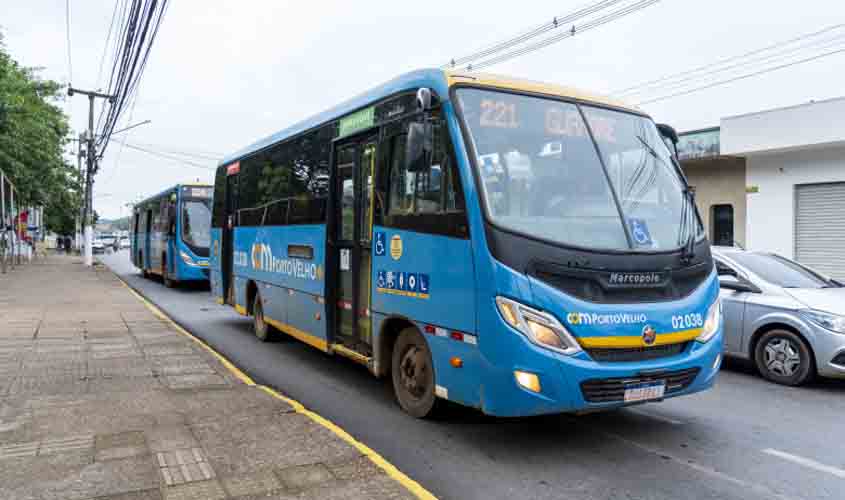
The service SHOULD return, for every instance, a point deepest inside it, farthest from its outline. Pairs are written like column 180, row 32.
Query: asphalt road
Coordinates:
column 745, row 439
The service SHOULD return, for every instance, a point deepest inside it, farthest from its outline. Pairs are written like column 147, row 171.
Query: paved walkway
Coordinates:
column 102, row 399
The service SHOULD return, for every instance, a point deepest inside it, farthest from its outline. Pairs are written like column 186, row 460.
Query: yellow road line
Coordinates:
column 632, row 341
column 243, row 377
column 391, row 470
column 414, row 487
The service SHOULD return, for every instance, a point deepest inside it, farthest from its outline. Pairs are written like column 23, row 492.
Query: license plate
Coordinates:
column 644, row 391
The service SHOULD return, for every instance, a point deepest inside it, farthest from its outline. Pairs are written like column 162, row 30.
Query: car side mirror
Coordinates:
column 726, row 271
column 737, row 284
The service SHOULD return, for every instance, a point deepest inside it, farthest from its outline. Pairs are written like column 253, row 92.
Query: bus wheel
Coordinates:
column 165, row 276
column 413, row 374
column 262, row 330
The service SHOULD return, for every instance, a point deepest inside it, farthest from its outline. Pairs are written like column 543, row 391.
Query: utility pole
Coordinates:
column 90, row 169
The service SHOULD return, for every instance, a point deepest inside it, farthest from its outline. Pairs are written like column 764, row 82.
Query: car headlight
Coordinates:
column 832, row 322
column 541, row 328
column 187, row 259
column 711, row 322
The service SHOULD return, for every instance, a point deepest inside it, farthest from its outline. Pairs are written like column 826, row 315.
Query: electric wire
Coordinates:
column 108, row 39
column 556, row 22
column 819, row 45
column 741, row 77
column 697, row 71
column 67, row 35
column 169, row 157
column 616, row 14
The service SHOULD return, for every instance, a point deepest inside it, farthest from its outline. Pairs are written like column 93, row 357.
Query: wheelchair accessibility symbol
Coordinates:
column 639, row 231
column 380, row 245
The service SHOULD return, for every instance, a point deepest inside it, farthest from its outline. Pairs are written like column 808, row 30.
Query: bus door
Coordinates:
column 148, row 233
column 353, row 193
column 227, row 236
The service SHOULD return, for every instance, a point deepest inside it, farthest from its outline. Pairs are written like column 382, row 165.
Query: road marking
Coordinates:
column 760, row 489
column 806, row 462
column 661, row 418
column 391, row 470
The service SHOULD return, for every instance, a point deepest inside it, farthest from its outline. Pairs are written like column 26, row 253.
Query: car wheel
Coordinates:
column 413, row 374
column 783, row 357
column 262, row 329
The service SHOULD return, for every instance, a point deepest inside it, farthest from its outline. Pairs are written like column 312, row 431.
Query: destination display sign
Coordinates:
column 197, row 191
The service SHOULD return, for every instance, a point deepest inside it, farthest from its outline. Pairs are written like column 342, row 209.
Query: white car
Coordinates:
column 97, row 246
column 124, row 242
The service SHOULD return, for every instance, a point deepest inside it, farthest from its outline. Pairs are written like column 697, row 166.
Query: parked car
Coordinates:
column 785, row 317
column 97, row 246
column 124, row 242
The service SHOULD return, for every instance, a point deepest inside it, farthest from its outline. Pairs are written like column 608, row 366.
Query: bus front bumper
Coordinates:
column 579, row 384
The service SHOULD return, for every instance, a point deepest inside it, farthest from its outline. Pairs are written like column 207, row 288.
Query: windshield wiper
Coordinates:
column 688, row 221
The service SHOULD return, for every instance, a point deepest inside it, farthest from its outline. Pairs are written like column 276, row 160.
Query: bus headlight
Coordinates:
column 187, row 259
column 712, row 322
column 541, row 328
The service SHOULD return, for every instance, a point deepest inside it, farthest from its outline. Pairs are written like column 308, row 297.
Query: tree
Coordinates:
column 33, row 135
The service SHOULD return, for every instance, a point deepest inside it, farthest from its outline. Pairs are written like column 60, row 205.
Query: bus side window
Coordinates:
column 429, row 200
column 218, row 216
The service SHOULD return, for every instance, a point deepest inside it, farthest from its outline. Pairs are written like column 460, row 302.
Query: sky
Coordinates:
column 225, row 74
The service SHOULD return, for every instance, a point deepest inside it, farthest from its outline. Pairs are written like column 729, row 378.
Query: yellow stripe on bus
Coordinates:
column 631, row 341
column 298, row 334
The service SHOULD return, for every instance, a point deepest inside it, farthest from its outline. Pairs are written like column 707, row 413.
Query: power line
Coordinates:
column 742, row 77
column 169, row 157
column 617, row 14
column 204, row 155
column 695, row 71
column 767, row 60
column 108, row 38
column 555, row 23
column 67, row 33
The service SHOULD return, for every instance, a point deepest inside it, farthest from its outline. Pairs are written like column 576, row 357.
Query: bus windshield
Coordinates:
column 196, row 223
column 576, row 174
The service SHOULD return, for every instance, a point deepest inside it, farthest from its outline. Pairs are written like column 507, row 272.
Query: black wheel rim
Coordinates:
column 413, row 372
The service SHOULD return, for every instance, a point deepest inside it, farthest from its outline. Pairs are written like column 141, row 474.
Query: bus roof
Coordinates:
column 170, row 190
column 532, row 86
column 436, row 79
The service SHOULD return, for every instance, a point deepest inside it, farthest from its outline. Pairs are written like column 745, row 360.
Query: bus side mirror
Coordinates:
column 670, row 136
column 418, row 146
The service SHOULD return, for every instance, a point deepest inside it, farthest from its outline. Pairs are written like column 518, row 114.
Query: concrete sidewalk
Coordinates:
column 102, row 399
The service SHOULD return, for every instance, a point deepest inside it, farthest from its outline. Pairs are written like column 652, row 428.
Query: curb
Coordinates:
column 391, row 470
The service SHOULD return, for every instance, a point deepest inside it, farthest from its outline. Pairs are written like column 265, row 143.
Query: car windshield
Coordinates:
column 196, row 223
column 780, row 271
column 541, row 174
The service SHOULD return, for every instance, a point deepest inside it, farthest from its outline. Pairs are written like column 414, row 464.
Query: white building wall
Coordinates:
column 771, row 211
column 805, row 126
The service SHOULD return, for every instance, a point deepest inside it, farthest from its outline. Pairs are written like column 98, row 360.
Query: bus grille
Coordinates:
column 636, row 353
column 612, row 390
column 593, row 285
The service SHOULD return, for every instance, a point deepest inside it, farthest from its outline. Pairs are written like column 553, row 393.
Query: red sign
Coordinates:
column 233, row 168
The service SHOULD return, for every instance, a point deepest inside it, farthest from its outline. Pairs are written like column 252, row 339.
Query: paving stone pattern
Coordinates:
column 100, row 399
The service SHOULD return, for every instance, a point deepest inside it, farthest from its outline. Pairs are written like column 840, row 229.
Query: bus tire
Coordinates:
column 262, row 329
column 412, row 372
column 165, row 276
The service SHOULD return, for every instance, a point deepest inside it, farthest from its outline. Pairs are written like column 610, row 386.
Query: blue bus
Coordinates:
column 171, row 234
column 511, row 246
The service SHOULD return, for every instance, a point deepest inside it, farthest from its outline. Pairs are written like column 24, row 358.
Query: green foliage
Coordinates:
column 33, row 135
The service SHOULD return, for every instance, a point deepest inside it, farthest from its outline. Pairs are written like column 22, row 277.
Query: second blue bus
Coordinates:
column 171, row 234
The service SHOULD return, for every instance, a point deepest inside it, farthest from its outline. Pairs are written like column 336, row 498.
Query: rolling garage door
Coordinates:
column 820, row 227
